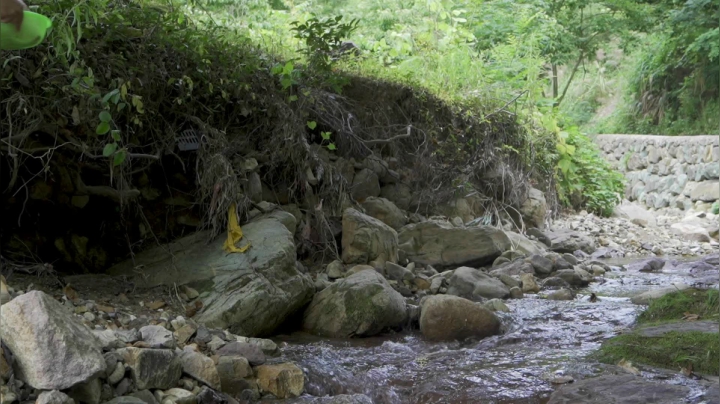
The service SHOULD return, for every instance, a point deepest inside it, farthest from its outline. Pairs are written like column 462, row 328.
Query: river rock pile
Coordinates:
column 55, row 354
column 635, row 232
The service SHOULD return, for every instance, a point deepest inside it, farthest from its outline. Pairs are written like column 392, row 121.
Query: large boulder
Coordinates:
column 53, row 350
column 362, row 304
column 568, row 241
column 385, row 211
column 250, row 293
column 691, row 232
column 366, row 239
column 444, row 318
column 619, row 388
column 646, row 297
column 636, row 214
column 706, row 191
column 476, row 285
column 440, row 244
column 534, row 209
column 524, row 245
column 399, row 194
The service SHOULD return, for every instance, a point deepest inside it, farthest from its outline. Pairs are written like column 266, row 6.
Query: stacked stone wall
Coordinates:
column 666, row 171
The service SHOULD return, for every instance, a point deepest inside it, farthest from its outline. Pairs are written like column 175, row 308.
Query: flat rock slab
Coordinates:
column 662, row 329
column 620, row 389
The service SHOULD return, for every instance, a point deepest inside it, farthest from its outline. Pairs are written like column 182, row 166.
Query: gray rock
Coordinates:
column 152, row 368
column 691, row 232
column 126, row 400
column 516, row 267
column 445, row 318
column 646, row 265
column 554, row 282
column 335, row 270
column 210, row 396
column 567, row 241
column 534, row 209
column 572, row 277
column 476, row 285
column 706, row 191
column 117, row 374
column 436, row 284
column 146, row 396
column 128, row 336
column 620, row 388
column 339, row 399
column 250, row 293
column 366, row 239
column 562, row 294
column 571, row 259
column 385, row 211
column 690, row 326
column 251, row 352
column 496, row 305
column 364, row 185
column 516, row 292
column 200, row 368
column 508, row 280
column 524, row 245
column 542, row 265
column 35, row 324
column 107, row 339
column 646, row 297
column 234, row 372
column 54, row 397
column 442, row 245
column 89, row 392
column 363, row 304
column 399, row 194
column 157, row 337
column 397, row 273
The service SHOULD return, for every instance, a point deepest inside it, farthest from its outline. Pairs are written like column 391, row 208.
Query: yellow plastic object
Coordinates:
column 32, row 32
column 234, row 233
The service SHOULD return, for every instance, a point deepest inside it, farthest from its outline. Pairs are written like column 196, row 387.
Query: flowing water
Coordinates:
column 543, row 340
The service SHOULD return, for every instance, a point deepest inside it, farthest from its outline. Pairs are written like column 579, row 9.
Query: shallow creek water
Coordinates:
column 542, row 340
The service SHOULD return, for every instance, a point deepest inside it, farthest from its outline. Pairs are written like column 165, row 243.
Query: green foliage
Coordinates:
column 586, row 180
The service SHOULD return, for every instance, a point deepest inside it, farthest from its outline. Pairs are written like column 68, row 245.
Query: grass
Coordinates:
column 672, row 307
column 676, row 349
column 672, row 351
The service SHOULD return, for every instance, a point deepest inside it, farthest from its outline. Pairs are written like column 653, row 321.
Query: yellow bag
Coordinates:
column 234, row 233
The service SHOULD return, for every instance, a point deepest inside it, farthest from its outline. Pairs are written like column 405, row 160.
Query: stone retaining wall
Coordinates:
column 666, row 171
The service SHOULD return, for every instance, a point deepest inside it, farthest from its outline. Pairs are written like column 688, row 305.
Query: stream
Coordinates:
column 543, row 340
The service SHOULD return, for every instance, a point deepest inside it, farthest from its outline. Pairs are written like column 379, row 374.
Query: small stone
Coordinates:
column 233, row 372
column 185, row 333
column 251, row 352
column 50, row 397
column 496, row 305
column 105, row 309
column 516, row 293
column 190, row 292
column 157, row 337
column 285, row 380
column 89, row 392
column 89, row 316
column 201, row 368
column 335, row 270
column 562, row 294
column 152, row 368
column 157, row 304
column 117, row 374
column 436, row 284
column 209, row 396
column 178, row 323
column 528, row 283
column 179, row 396
column 145, row 395
column 123, row 387
column 216, row 343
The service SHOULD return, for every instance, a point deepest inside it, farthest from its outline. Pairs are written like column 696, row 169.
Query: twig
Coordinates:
column 105, row 191
column 506, row 104
column 392, row 139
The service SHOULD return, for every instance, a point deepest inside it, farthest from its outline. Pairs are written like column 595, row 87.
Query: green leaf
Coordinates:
column 102, row 128
column 110, row 94
column 292, row 98
column 105, row 116
column 325, row 135
column 119, row 158
column 311, row 124
column 331, row 146
column 115, row 135
column 109, row 149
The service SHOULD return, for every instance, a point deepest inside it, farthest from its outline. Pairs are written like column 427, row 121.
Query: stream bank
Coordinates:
column 196, row 340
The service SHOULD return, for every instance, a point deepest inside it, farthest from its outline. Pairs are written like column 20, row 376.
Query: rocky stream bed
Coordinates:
column 437, row 310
